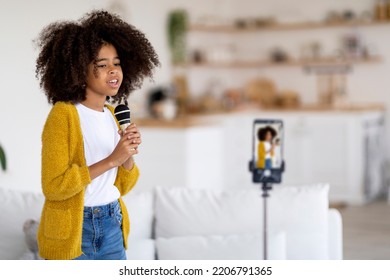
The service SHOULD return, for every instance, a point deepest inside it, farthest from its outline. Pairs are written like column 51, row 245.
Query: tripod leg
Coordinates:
column 265, row 227
column 265, row 187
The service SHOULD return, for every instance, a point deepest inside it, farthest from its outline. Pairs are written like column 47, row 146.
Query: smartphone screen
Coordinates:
column 267, row 159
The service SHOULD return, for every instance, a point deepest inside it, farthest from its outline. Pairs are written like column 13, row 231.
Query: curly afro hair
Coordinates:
column 68, row 47
column 262, row 132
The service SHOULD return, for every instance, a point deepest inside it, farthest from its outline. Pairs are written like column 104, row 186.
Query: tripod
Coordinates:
column 260, row 176
column 265, row 187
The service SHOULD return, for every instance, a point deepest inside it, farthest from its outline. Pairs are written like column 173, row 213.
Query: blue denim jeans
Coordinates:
column 102, row 237
column 268, row 163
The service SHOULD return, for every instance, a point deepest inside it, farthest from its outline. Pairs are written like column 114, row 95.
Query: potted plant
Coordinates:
column 3, row 160
column 177, row 29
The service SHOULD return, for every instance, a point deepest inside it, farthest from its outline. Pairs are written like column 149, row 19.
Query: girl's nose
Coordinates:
column 113, row 71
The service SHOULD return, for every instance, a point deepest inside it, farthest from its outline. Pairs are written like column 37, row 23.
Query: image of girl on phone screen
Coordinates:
column 265, row 148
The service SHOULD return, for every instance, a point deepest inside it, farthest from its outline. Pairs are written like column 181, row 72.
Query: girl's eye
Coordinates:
column 101, row 65
column 117, row 64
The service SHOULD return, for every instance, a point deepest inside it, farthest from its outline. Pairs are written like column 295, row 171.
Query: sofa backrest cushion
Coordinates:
column 302, row 211
column 15, row 208
column 299, row 211
column 140, row 206
column 182, row 212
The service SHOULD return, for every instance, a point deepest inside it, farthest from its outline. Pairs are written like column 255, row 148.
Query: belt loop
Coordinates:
column 112, row 209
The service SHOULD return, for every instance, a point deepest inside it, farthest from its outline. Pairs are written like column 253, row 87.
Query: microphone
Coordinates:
column 122, row 114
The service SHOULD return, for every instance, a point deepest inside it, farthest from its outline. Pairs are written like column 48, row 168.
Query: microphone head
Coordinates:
column 122, row 114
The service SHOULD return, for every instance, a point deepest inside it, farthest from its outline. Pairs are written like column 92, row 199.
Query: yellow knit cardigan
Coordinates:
column 65, row 177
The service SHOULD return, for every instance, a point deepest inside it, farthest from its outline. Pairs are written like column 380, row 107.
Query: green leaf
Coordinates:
column 3, row 160
column 177, row 28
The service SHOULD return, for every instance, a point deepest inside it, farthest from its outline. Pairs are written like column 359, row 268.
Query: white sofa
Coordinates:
column 182, row 223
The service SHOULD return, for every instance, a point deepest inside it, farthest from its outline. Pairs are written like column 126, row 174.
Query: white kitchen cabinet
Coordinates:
column 180, row 157
column 342, row 148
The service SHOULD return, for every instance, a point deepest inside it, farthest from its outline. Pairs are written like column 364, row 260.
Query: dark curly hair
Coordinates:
column 68, row 47
column 262, row 132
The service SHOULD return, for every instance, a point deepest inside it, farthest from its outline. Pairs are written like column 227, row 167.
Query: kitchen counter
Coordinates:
column 342, row 147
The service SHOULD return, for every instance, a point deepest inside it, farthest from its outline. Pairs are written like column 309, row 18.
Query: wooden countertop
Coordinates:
column 341, row 108
column 180, row 122
column 205, row 119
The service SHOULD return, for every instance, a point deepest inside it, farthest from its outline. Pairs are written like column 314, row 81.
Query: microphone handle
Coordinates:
column 124, row 126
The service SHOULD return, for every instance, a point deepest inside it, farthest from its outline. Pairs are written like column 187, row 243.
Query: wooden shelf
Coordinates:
column 299, row 63
column 284, row 27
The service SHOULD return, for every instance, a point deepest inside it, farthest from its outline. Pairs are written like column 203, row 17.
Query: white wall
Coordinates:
column 24, row 106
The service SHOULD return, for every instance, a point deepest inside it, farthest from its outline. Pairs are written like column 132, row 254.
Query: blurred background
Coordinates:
column 320, row 66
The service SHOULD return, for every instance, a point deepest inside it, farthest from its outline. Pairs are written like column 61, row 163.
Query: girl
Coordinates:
column 87, row 165
column 265, row 147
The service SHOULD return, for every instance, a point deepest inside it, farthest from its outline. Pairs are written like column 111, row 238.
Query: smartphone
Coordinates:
column 267, row 163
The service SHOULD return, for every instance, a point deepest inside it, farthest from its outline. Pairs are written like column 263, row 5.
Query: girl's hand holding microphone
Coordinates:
column 126, row 147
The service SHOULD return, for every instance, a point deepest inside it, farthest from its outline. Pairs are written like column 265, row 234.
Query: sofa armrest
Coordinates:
column 335, row 235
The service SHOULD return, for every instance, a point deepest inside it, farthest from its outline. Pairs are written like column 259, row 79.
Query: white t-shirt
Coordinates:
column 267, row 147
column 277, row 158
column 100, row 134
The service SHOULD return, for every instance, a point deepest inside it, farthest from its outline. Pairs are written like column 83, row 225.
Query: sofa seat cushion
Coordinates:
column 141, row 249
column 221, row 247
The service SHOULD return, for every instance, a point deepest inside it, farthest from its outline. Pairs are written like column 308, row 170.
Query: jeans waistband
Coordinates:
column 101, row 210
